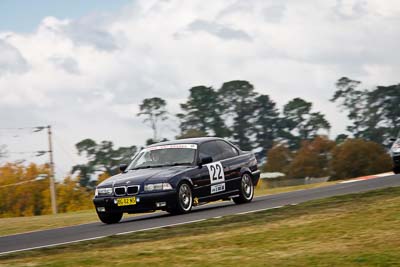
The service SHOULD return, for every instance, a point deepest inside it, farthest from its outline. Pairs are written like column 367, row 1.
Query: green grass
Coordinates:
column 17, row 225
column 261, row 190
column 351, row 230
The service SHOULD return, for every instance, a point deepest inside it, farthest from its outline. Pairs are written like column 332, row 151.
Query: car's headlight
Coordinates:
column 396, row 148
column 157, row 187
column 103, row 191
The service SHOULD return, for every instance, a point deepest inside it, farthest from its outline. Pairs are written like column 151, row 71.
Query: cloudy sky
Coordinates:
column 84, row 66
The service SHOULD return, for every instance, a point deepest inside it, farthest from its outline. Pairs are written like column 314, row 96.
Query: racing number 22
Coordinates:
column 216, row 172
column 217, row 177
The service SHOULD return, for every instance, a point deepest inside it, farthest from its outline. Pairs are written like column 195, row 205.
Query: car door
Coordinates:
column 231, row 164
column 210, row 179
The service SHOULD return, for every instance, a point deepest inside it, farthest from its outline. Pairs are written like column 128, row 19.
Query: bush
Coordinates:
column 358, row 157
column 312, row 159
column 278, row 159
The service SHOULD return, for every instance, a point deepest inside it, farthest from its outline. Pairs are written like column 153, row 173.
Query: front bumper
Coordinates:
column 144, row 202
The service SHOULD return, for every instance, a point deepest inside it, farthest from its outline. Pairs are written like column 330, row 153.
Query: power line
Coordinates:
column 34, row 128
column 16, row 131
column 18, row 183
column 39, row 152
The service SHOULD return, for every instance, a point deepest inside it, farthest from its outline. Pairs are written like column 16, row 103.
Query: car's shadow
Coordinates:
column 164, row 214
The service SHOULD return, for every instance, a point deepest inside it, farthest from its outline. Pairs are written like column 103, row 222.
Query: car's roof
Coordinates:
column 197, row 140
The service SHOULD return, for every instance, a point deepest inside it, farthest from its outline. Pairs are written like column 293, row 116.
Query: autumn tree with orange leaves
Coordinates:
column 23, row 194
column 358, row 157
column 279, row 158
column 20, row 193
column 312, row 159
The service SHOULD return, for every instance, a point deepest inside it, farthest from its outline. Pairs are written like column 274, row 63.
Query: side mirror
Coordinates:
column 392, row 139
column 123, row 167
column 205, row 160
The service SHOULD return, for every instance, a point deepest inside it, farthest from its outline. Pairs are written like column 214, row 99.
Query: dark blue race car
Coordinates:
column 175, row 176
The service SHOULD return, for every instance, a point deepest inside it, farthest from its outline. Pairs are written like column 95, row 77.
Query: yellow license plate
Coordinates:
column 126, row 201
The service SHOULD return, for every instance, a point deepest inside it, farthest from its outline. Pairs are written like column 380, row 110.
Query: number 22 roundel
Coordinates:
column 217, row 177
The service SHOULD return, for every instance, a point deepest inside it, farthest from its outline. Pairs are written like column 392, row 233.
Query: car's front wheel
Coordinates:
column 246, row 192
column 396, row 170
column 109, row 218
column 184, row 199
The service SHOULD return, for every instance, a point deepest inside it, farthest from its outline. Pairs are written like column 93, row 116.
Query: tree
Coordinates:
column 278, row 159
column 384, row 102
column 15, row 199
column 72, row 197
column 299, row 123
column 202, row 112
column 312, row 159
column 341, row 138
column 101, row 158
column 152, row 141
column 191, row 133
column 374, row 114
column 22, row 194
column 359, row 157
column 356, row 103
column 266, row 125
column 101, row 177
column 154, row 111
column 238, row 100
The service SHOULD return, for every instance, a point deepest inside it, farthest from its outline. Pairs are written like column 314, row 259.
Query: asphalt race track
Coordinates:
column 65, row 235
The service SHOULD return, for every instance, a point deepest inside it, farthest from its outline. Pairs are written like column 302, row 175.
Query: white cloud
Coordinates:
column 11, row 60
column 87, row 76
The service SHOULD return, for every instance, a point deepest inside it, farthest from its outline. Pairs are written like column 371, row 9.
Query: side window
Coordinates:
column 210, row 149
column 227, row 150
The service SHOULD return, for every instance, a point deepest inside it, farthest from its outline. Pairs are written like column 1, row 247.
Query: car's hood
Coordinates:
column 144, row 175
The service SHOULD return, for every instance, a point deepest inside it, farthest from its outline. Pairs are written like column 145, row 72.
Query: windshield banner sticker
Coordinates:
column 189, row 146
column 217, row 177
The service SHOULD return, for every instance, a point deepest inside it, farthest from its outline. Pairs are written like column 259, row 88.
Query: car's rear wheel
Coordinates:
column 184, row 200
column 109, row 218
column 246, row 192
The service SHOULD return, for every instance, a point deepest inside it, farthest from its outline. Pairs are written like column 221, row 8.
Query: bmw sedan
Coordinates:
column 175, row 176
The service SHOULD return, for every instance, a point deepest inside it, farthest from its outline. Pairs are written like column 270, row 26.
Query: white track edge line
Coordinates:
column 158, row 227
column 52, row 245
column 98, row 237
column 252, row 211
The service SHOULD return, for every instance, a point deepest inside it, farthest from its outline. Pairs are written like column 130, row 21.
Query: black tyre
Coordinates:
column 396, row 170
column 184, row 200
column 246, row 190
column 109, row 218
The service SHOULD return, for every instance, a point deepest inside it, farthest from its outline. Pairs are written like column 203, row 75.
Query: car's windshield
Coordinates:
column 164, row 155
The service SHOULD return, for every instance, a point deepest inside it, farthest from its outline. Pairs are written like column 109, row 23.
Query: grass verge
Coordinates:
column 352, row 230
column 9, row 226
column 260, row 191
column 16, row 225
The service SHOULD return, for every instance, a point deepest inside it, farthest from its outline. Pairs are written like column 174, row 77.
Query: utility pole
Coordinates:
column 51, row 176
